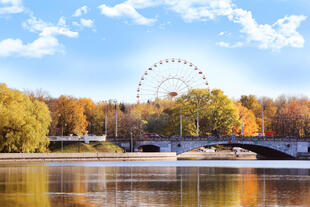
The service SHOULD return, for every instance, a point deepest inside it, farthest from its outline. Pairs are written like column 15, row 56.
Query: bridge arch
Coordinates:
column 149, row 148
column 266, row 150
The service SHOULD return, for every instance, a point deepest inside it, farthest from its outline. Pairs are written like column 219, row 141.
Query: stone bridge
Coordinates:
column 268, row 147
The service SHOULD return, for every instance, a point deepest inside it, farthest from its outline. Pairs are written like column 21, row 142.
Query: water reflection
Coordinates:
column 24, row 186
column 41, row 185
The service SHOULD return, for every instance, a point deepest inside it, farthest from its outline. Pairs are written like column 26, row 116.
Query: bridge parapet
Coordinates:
column 85, row 139
column 213, row 138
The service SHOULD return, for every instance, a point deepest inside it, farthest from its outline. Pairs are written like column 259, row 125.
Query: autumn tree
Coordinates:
column 217, row 113
column 23, row 122
column 249, row 121
column 269, row 113
column 251, row 103
column 292, row 117
column 70, row 116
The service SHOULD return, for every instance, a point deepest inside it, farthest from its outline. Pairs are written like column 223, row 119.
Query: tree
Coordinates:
column 217, row 113
column 220, row 115
column 251, row 103
column 70, row 116
column 292, row 117
column 23, row 123
column 89, row 111
column 249, row 122
column 158, row 124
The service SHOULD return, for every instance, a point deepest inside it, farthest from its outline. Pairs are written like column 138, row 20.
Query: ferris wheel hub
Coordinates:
column 173, row 94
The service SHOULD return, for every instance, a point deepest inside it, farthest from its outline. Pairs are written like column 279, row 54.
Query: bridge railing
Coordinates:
column 211, row 138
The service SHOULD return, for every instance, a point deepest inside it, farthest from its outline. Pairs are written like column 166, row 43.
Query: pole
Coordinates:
column 181, row 121
column 115, row 119
column 197, row 120
column 62, row 134
column 263, row 126
column 242, row 121
column 131, row 144
column 106, row 122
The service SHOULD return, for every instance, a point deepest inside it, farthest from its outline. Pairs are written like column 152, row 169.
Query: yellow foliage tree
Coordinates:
column 23, row 123
column 71, row 117
column 249, row 122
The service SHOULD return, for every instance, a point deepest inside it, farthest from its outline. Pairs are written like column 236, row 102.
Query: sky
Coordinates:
column 100, row 49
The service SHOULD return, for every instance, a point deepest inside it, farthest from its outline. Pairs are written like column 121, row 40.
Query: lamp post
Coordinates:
column 62, row 134
column 242, row 121
column 263, row 126
column 131, row 142
column 242, row 104
column 115, row 102
column 197, row 133
column 181, row 121
column 106, row 120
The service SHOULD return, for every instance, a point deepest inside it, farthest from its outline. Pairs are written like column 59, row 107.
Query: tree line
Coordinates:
column 28, row 117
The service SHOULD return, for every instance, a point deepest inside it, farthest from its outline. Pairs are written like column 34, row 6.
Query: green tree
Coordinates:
column 251, row 103
column 23, row 123
column 217, row 113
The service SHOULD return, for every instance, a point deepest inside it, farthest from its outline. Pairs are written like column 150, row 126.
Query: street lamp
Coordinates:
column 263, row 126
column 197, row 119
column 106, row 120
column 181, row 120
column 62, row 134
column 115, row 102
column 131, row 142
column 242, row 104
column 242, row 121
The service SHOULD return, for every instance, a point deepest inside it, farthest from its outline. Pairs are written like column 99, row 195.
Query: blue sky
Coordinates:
column 100, row 49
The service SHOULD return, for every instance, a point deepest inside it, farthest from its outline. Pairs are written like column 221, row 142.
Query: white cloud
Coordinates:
column 11, row 6
column 229, row 45
column 281, row 34
column 275, row 36
column 126, row 9
column 38, row 48
column 204, row 10
column 47, row 29
column 79, row 12
column 141, row 4
column 87, row 23
column 45, row 44
column 227, row 34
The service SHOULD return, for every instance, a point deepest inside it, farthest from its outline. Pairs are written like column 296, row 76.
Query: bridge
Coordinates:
column 268, row 147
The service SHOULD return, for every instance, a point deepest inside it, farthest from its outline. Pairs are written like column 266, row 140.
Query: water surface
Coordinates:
column 171, row 183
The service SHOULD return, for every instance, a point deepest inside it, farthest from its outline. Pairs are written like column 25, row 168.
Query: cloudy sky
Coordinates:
column 101, row 48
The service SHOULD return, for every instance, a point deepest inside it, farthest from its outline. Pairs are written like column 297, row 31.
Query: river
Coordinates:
column 164, row 183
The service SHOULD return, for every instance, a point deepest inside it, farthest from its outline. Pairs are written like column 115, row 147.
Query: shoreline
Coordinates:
column 128, row 156
column 131, row 156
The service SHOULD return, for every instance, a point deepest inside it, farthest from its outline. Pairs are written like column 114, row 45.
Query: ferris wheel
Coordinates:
column 169, row 78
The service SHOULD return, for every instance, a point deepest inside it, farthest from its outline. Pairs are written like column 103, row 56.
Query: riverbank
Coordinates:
column 130, row 156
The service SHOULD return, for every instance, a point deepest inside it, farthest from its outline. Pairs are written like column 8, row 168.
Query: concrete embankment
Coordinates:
column 131, row 156
column 217, row 156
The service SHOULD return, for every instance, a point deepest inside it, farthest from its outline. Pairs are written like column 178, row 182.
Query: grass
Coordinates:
column 82, row 147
